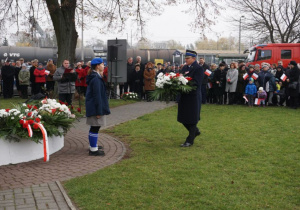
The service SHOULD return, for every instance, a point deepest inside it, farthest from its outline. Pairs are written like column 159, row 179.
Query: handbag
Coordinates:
column 293, row 85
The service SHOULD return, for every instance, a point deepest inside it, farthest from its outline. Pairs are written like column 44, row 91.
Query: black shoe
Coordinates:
column 96, row 153
column 186, row 144
column 100, row 147
column 197, row 133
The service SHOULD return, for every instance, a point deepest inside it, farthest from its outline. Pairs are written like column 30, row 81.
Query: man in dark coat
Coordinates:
column 189, row 104
column 34, row 64
column 293, row 87
column 130, row 69
column 8, row 73
column 205, row 79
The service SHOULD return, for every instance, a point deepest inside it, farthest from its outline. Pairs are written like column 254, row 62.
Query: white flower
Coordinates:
column 39, row 116
column 12, row 118
column 24, row 104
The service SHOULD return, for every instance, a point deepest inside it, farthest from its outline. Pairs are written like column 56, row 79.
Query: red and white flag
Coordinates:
column 257, row 101
column 254, row 76
column 245, row 76
column 207, row 72
column 209, row 85
column 283, row 77
column 246, row 99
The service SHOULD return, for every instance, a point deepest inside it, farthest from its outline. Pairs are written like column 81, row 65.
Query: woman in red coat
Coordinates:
column 81, row 77
column 40, row 79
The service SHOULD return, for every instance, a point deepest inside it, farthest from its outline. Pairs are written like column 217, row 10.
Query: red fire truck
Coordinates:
column 274, row 52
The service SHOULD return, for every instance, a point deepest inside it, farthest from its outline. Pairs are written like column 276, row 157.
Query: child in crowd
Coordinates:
column 250, row 92
column 280, row 92
column 262, row 95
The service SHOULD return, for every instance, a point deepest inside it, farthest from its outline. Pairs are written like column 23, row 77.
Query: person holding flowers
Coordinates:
column 96, row 104
column 189, row 104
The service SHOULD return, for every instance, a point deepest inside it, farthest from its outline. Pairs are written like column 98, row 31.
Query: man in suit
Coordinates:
column 189, row 104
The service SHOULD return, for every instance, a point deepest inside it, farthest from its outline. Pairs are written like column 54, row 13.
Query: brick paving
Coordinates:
column 33, row 185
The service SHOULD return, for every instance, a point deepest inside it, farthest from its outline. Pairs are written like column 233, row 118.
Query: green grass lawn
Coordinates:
column 245, row 158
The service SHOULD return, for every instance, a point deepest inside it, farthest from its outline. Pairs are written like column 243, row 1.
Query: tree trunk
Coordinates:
column 63, row 19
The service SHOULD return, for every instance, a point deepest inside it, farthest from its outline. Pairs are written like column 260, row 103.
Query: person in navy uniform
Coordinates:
column 189, row 104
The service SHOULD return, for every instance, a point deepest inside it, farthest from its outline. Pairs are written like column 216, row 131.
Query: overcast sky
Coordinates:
column 172, row 24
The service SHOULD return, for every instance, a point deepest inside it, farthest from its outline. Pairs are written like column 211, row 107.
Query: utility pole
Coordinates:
column 240, row 32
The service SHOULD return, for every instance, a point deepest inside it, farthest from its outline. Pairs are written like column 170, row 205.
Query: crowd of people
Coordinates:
column 222, row 84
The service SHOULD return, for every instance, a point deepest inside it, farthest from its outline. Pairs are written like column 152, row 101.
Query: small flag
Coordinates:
column 283, row 77
column 254, row 76
column 209, row 85
column 47, row 72
column 246, row 99
column 245, row 76
column 207, row 72
column 257, row 101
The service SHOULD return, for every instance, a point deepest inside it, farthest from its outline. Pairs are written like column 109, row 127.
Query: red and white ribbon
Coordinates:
column 45, row 142
column 29, row 129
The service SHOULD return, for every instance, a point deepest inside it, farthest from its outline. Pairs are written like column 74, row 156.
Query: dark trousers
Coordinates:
column 231, row 97
column 250, row 99
column 39, row 88
column 66, row 97
column 8, row 88
column 192, row 128
column 24, row 91
column 50, row 85
column 203, row 93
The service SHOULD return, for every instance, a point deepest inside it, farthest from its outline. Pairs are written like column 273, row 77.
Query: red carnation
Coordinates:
column 53, row 111
column 67, row 104
column 29, row 114
column 25, row 125
column 29, row 106
column 37, row 119
column 30, row 122
column 78, row 109
column 189, row 78
column 177, row 74
column 35, row 126
column 21, row 122
column 7, row 110
column 35, row 107
column 72, row 107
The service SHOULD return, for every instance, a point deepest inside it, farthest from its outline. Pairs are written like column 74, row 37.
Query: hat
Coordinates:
column 277, row 80
column 294, row 63
column 257, row 65
column 96, row 61
column 260, row 88
column 50, row 59
column 24, row 65
column 40, row 64
column 251, row 79
column 158, row 63
column 190, row 53
column 265, row 65
column 137, row 64
column 251, row 66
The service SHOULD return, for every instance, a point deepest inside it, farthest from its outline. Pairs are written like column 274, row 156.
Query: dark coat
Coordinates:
column 263, row 78
column 96, row 101
column 294, row 77
column 205, row 77
column 130, row 69
column 221, row 77
column 137, row 81
column 241, row 84
column 189, row 104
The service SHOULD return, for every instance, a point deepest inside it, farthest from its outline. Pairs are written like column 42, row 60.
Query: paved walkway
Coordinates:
column 36, row 184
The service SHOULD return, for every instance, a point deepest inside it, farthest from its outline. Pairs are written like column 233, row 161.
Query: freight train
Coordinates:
column 167, row 55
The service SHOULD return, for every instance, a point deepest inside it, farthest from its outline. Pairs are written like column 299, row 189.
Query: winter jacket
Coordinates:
column 232, row 74
column 272, row 84
column 52, row 69
column 149, row 79
column 96, row 101
column 24, row 76
column 251, row 89
column 65, row 84
column 40, row 75
column 262, row 95
column 263, row 78
column 81, row 77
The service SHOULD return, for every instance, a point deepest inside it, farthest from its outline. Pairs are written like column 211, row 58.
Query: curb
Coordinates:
column 66, row 197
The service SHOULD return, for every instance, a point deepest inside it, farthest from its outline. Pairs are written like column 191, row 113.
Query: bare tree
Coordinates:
column 270, row 20
column 65, row 15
